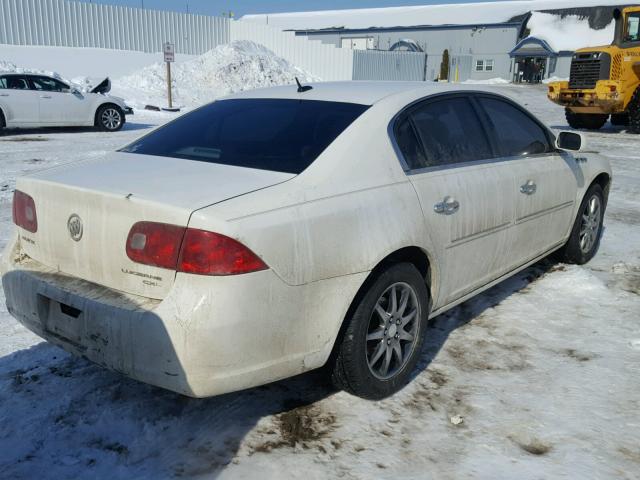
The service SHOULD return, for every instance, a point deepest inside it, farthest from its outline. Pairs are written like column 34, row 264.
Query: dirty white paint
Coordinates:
column 321, row 233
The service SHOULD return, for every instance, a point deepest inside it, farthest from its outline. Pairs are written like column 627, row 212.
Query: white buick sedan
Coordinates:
column 279, row 230
column 30, row 101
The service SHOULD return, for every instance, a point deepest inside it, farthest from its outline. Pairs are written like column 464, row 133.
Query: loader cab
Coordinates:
column 627, row 27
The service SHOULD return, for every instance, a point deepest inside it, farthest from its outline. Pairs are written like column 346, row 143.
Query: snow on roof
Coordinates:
column 454, row 14
column 569, row 33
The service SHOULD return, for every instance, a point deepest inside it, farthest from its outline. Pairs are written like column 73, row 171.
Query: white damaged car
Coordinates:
column 278, row 230
column 33, row 100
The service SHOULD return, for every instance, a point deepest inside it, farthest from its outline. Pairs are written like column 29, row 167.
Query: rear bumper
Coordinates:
column 207, row 337
column 605, row 98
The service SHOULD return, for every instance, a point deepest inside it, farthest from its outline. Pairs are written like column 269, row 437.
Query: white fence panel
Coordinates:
column 325, row 61
column 81, row 24
column 383, row 65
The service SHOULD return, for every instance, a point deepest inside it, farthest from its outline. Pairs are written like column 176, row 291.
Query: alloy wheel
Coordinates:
column 590, row 226
column 393, row 330
column 111, row 118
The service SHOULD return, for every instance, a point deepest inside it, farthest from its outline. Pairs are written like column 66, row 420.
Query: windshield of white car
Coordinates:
column 283, row 135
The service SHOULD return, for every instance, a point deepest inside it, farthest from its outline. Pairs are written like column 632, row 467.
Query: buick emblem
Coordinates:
column 74, row 224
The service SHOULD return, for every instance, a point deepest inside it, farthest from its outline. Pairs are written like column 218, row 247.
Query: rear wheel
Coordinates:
column 587, row 228
column 585, row 120
column 620, row 119
column 633, row 110
column 109, row 118
column 382, row 339
column 2, row 120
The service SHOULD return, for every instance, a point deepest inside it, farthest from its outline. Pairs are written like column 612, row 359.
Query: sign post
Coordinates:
column 169, row 58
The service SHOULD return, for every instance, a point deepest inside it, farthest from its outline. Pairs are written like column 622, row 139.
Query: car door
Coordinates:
column 546, row 179
column 19, row 103
column 467, row 198
column 57, row 104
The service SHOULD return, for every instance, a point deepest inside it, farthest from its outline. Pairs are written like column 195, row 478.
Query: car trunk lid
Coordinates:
column 108, row 196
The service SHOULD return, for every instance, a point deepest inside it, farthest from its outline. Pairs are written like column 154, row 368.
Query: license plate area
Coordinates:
column 62, row 320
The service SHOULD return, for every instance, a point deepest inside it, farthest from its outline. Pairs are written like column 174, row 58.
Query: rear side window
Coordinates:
column 516, row 132
column 15, row 82
column 410, row 145
column 3, row 82
column 269, row 134
column 451, row 132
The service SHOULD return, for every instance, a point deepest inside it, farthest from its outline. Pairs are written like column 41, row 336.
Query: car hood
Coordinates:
column 103, row 87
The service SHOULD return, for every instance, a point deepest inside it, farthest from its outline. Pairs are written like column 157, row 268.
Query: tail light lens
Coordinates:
column 190, row 250
column 156, row 244
column 24, row 211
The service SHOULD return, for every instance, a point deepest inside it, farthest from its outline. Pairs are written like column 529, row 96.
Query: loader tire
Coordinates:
column 633, row 110
column 585, row 120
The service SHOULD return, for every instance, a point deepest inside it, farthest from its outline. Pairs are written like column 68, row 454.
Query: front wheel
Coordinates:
column 585, row 236
column 109, row 118
column 585, row 120
column 381, row 343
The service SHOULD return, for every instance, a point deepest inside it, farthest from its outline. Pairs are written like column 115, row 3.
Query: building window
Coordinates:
column 484, row 65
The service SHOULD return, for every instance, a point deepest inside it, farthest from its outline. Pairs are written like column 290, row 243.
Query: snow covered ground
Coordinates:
column 536, row 378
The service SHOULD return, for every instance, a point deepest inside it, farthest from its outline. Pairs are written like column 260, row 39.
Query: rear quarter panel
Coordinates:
column 352, row 207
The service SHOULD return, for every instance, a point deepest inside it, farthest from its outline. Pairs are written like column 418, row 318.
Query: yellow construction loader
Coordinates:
column 605, row 81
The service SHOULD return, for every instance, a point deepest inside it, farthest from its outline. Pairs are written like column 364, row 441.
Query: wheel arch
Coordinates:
column 414, row 255
column 105, row 104
column 604, row 180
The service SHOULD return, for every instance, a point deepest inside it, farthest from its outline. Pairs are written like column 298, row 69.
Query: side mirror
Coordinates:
column 571, row 141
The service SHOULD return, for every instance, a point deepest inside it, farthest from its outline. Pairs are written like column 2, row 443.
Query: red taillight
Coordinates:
column 208, row 253
column 189, row 250
column 156, row 244
column 24, row 211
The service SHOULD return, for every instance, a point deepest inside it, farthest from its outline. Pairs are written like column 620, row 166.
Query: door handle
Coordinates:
column 4, row 94
column 528, row 188
column 447, row 207
column 45, row 96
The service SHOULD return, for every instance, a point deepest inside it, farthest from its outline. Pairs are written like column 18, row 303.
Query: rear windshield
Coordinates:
column 269, row 134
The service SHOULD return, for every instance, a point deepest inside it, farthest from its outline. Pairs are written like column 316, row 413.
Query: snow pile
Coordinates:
column 490, row 81
column 569, row 33
column 229, row 68
column 554, row 79
column 455, row 14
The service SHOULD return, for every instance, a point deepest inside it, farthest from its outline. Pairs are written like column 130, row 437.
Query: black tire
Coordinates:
column 109, row 118
column 2, row 120
column 620, row 119
column 585, row 120
column 573, row 251
column 633, row 110
column 349, row 366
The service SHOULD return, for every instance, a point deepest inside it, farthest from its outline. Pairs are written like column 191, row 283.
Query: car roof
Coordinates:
column 361, row 92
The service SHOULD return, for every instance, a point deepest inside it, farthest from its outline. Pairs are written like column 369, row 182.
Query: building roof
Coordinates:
column 362, row 92
column 452, row 14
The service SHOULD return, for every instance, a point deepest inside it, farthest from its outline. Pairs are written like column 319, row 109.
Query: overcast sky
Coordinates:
column 242, row 7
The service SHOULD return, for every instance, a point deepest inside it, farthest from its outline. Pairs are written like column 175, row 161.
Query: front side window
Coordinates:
column 633, row 28
column 282, row 135
column 516, row 132
column 3, row 82
column 451, row 132
column 15, row 82
column 48, row 84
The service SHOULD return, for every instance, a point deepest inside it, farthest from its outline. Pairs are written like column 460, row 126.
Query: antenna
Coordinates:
column 303, row 88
